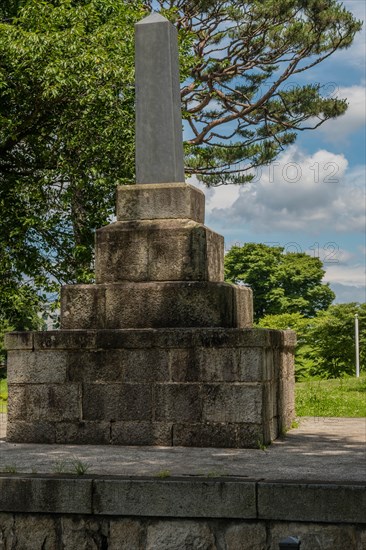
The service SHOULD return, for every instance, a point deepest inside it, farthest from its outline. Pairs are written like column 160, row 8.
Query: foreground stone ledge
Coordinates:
column 312, row 502
column 145, row 338
column 50, row 494
column 185, row 497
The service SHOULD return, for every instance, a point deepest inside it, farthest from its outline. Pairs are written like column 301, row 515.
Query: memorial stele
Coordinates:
column 160, row 350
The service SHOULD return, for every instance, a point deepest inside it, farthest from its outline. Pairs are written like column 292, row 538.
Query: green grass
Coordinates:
column 344, row 397
column 3, row 396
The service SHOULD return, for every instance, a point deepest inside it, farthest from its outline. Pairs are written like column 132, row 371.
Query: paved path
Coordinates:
column 321, row 449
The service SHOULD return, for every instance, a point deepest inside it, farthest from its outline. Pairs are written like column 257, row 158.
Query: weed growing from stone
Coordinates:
column 80, row 467
column 163, row 474
column 10, row 469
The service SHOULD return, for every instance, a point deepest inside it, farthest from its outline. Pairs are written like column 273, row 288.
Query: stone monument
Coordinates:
column 160, row 350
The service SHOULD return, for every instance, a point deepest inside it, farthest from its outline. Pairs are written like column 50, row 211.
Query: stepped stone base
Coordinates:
column 188, row 387
column 156, row 305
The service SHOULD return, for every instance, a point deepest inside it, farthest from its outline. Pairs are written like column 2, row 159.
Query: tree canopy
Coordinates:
column 281, row 283
column 331, row 340
column 67, row 114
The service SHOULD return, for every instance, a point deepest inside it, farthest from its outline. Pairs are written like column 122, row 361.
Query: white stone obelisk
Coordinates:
column 159, row 139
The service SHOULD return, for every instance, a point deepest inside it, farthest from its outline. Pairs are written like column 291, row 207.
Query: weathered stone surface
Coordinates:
column 141, row 433
column 17, row 401
column 37, row 367
column 175, row 498
column 319, row 502
column 219, row 435
column 53, row 402
column 178, row 402
column 315, row 536
column 27, row 531
column 246, row 536
column 82, row 433
column 65, row 339
column 150, row 305
column 160, row 338
column 45, row 494
column 21, row 431
column 83, row 306
column 231, row 364
column 160, row 201
column 161, row 250
column 238, row 403
column 96, row 366
column 33, row 533
column 176, row 535
column 126, row 534
column 83, row 533
column 243, row 306
column 19, row 340
column 159, row 138
column 111, row 402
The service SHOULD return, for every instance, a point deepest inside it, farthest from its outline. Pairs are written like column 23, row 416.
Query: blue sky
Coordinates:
column 313, row 198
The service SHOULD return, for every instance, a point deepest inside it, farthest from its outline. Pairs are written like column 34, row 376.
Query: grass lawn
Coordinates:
column 3, row 396
column 342, row 397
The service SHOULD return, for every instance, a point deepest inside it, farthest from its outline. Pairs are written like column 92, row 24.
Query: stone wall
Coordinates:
column 197, row 387
column 53, row 532
column 76, row 513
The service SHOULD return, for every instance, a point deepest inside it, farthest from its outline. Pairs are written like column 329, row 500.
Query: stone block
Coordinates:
column 150, row 305
column 243, row 306
column 178, row 402
column 252, row 436
column 145, row 365
column 96, row 366
column 18, row 340
column 141, row 433
column 208, row 434
column 240, row 403
column 45, row 494
column 83, row 306
column 181, row 498
column 175, row 535
column 246, row 536
column 111, row 402
column 17, row 402
column 160, row 201
column 164, row 250
column 36, row 367
column 53, row 402
column 21, row 431
column 312, row 502
column 125, row 534
column 82, row 533
column 32, row 532
column 82, row 433
column 65, row 339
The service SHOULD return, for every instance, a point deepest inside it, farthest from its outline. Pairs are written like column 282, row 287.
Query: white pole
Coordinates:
column 357, row 347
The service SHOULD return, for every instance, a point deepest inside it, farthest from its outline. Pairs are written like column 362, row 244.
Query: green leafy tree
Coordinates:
column 67, row 113
column 332, row 338
column 281, row 283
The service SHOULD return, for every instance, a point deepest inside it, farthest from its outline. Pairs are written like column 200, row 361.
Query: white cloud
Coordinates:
column 346, row 293
column 349, row 275
column 337, row 130
column 299, row 192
